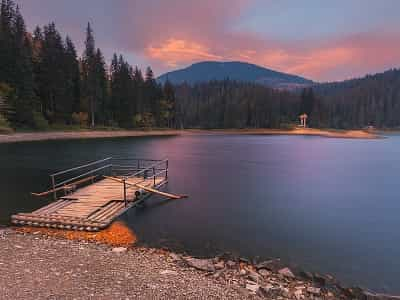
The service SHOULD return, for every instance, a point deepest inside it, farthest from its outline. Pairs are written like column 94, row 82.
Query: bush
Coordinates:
column 144, row 120
column 39, row 122
column 80, row 119
column 4, row 126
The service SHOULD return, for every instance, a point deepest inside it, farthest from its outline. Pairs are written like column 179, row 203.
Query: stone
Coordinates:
column 320, row 279
column 298, row 294
column 174, row 256
column 272, row 265
column 219, row 265
column 306, row 275
column 244, row 260
column 253, row 287
column 218, row 274
column 200, row 264
column 286, row 272
column 314, row 290
column 254, row 276
column 267, row 291
column 119, row 249
column 230, row 264
column 264, row 272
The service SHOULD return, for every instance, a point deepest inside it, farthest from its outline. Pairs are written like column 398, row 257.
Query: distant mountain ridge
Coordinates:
column 234, row 70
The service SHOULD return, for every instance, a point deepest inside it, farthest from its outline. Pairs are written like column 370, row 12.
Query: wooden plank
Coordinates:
column 168, row 195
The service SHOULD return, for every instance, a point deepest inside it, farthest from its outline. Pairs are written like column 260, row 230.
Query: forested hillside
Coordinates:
column 372, row 100
column 234, row 70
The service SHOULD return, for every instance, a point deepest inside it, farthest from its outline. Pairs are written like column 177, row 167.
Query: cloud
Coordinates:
column 175, row 33
column 175, row 52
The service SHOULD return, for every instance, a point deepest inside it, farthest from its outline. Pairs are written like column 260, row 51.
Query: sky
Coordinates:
column 318, row 39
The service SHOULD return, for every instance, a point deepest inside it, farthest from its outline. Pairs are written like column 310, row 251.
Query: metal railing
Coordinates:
column 123, row 168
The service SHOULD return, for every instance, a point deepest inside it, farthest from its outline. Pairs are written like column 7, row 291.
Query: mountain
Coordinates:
column 239, row 71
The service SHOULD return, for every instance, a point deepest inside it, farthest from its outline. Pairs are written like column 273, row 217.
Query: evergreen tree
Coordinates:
column 72, row 76
column 89, row 75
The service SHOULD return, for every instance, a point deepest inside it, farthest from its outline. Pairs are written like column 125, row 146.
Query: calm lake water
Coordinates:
column 328, row 205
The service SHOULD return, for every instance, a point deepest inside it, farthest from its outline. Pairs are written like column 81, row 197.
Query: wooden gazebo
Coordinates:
column 303, row 120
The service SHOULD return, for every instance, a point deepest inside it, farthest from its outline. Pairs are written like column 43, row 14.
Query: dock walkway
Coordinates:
column 91, row 198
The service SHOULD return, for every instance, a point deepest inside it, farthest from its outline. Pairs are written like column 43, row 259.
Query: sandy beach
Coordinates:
column 89, row 134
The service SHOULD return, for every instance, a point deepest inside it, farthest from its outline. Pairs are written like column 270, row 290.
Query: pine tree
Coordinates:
column 72, row 76
column 89, row 80
column 101, row 90
column 168, row 104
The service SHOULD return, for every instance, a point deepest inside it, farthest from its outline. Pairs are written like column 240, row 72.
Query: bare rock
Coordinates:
column 168, row 272
column 200, row 264
column 272, row 265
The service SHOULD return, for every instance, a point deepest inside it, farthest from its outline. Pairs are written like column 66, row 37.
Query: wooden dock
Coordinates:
column 95, row 194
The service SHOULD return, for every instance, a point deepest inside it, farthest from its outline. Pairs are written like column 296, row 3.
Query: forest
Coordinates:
column 44, row 84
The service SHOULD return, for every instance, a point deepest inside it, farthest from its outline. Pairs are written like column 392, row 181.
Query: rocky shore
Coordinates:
column 37, row 266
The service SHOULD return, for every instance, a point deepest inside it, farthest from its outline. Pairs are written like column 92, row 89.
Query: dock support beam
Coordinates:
column 53, row 184
column 125, row 200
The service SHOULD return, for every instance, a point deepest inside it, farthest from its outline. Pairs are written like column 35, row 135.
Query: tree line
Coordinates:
column 43, row 81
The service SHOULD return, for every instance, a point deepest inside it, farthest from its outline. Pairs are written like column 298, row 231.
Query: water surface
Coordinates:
column 328, row 205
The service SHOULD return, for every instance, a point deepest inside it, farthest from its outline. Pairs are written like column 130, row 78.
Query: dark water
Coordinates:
column 328, row 205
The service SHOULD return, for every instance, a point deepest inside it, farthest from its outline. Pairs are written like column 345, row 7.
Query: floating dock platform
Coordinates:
column 89, row 197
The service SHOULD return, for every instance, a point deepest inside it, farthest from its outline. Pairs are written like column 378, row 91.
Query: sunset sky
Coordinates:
column 320, row 40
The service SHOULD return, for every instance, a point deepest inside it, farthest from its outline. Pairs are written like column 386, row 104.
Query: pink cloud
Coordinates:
column 175, row 52
column 172, row 34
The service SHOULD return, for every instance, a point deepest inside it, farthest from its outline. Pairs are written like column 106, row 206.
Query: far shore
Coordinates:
column 88, row 134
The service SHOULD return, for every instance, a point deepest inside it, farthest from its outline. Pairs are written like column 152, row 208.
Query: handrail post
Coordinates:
column 125, row 200
column 154, row 176
column 166, row 170
column 53, row 184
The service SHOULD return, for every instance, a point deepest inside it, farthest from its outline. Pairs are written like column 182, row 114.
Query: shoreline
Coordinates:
column 157, row 273
column 91, row 134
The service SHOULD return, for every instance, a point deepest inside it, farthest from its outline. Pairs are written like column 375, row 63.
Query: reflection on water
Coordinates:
column 329, row 205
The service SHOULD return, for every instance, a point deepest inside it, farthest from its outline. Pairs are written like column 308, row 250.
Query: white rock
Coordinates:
column 119, row 249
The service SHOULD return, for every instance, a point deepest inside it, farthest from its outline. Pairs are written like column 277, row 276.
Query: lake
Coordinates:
column 328, row 205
